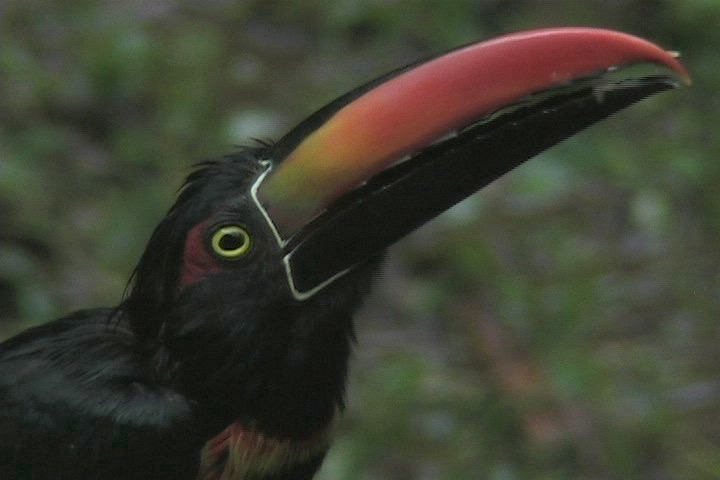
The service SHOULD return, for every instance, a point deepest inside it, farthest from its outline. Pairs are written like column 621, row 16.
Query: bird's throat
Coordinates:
column 241, row 453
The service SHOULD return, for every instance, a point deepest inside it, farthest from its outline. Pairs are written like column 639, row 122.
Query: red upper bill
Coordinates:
column 413, row 109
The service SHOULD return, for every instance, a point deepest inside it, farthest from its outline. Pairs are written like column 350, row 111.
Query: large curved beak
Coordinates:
column 383, row 159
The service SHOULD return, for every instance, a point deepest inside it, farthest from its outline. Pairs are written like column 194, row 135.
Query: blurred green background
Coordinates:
column 561, row 324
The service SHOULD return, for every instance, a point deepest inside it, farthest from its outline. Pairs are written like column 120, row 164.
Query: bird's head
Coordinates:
column 260, row 263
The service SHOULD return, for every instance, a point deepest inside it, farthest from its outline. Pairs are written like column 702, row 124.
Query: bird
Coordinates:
column 228, row 356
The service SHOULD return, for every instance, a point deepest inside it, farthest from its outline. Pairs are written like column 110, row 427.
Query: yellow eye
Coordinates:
column 231, row 242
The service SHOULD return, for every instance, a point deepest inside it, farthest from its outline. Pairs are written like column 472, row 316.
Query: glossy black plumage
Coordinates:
column 77, row 400
column 135, row 392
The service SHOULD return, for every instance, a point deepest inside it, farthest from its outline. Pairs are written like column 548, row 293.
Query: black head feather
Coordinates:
column 235, row 340
column 154, row 282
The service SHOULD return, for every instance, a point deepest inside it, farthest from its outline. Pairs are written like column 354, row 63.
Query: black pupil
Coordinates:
column 232, row 241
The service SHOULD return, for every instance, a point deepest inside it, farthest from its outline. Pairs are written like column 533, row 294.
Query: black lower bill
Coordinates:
column 361, row 224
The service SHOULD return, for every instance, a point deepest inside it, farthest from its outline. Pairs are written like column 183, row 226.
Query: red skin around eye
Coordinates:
column 197, row 261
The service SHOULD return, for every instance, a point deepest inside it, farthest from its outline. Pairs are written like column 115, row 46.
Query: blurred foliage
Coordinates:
column 562, row 324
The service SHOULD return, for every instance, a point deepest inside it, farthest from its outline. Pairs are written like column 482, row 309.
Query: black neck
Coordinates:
column 278, row 366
